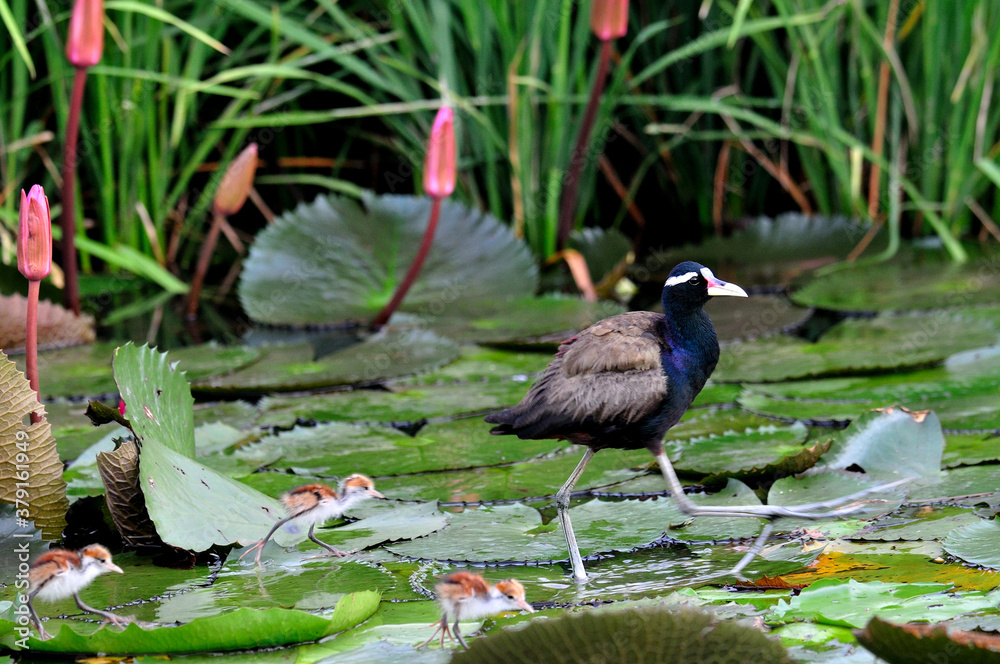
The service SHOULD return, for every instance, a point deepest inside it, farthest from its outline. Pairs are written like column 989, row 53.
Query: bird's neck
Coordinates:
column 691, row 337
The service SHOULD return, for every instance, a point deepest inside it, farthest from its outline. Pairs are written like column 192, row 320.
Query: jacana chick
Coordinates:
column 466, row 596
column 61, row 573
column 315, row 504
column 624, row 381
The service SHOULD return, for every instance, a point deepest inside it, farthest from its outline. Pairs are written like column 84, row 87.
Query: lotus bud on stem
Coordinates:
column 439, row 183
column 34, row 261
column 609, row 21
column 229, row 199
column 84, row 47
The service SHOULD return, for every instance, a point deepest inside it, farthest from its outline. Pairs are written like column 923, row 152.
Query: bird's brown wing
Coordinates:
column 610, row 375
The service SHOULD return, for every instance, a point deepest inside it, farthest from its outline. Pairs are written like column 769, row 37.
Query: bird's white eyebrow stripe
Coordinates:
column 681, row 278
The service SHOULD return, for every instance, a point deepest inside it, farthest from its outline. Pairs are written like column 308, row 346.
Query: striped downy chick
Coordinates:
column 315, row 504
column 61, row 573
column 466, row 596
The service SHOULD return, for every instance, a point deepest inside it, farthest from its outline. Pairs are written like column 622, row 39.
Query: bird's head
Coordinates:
column 691, row 284
column 96, row 560
column 511, row 593
column 358, row 486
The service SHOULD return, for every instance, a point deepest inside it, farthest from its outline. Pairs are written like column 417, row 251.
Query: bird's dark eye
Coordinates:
column 694, row 281
column 510, row 597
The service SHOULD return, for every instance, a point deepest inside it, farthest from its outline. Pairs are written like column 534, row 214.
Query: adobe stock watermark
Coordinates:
column 24, row 530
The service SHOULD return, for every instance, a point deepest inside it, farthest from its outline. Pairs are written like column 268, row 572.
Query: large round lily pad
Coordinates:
column 338, row 259
column 912, row 280
column 387, row 354
column 854, row 347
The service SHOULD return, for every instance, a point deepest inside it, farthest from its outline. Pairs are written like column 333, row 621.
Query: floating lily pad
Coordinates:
column 236, row 630
column 976, row 543
column 917, row 524
column 479, row 364
column 736, row 318
column 403, row 522
column 411, row 403
column 516, row 532
column 965, row 486
column 388, row 354
column 910, row 280
column 828, row 486
column 710, row 528
column 737, row 451
column 339, row 259
column 769, row 251
column 915, row 644
column 854, row 346
column 891, row 564
column 525, row 321
column 890, row 444
column 340, row 449
column 853, row 604
column 970, row 449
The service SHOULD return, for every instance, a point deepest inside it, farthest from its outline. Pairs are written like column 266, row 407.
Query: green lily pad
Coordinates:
column 737, row 451
column 515, row 532
column 235, row 630
column 388, row 354
column 911, row 280
column 917, row 524
column 178, row 489
column 709, row 528
column 890, row 444
column 736, row 318
column 891, row 563
column 403, row 522
column 340, row 449
column 969, row 449
column 963, row 485
column 339, row 259
column 769, row 251
column 976, row 543
column 478, row 364
column 853, row 604
column 405, row 403
column 831, row 485
column 525, row 321
column 157, row 397
column 854, row 346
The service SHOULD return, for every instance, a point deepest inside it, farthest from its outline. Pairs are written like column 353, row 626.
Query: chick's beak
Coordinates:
column 523, row 604
column 111, row 567
column 718, row 287
column 375, row 494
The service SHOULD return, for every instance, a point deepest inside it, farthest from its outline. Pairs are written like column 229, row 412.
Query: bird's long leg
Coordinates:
column 562, row 509
column 458, row 635
column 442, row 627
column 260, row 545
column 38, row 621
column 116, row 619
column 333, row 551
column 758, row 545
column 807, row 511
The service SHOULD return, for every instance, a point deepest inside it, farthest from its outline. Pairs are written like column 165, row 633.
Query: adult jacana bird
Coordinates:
column 62, row 573
column 624, row 381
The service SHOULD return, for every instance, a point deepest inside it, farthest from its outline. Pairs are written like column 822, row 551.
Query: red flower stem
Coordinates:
column 571, row 184
column 411, row 274
column 31, row 344
column 71, row 291
column 204, row 259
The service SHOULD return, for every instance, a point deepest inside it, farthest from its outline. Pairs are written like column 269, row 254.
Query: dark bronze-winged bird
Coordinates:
column 624, row 381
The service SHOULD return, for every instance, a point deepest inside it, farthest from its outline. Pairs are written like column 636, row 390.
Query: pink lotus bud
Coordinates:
column 235, row 186
column 609, row 18
column 121, row 408
column 439, row 164
column 85, row 41
column 34, row 235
